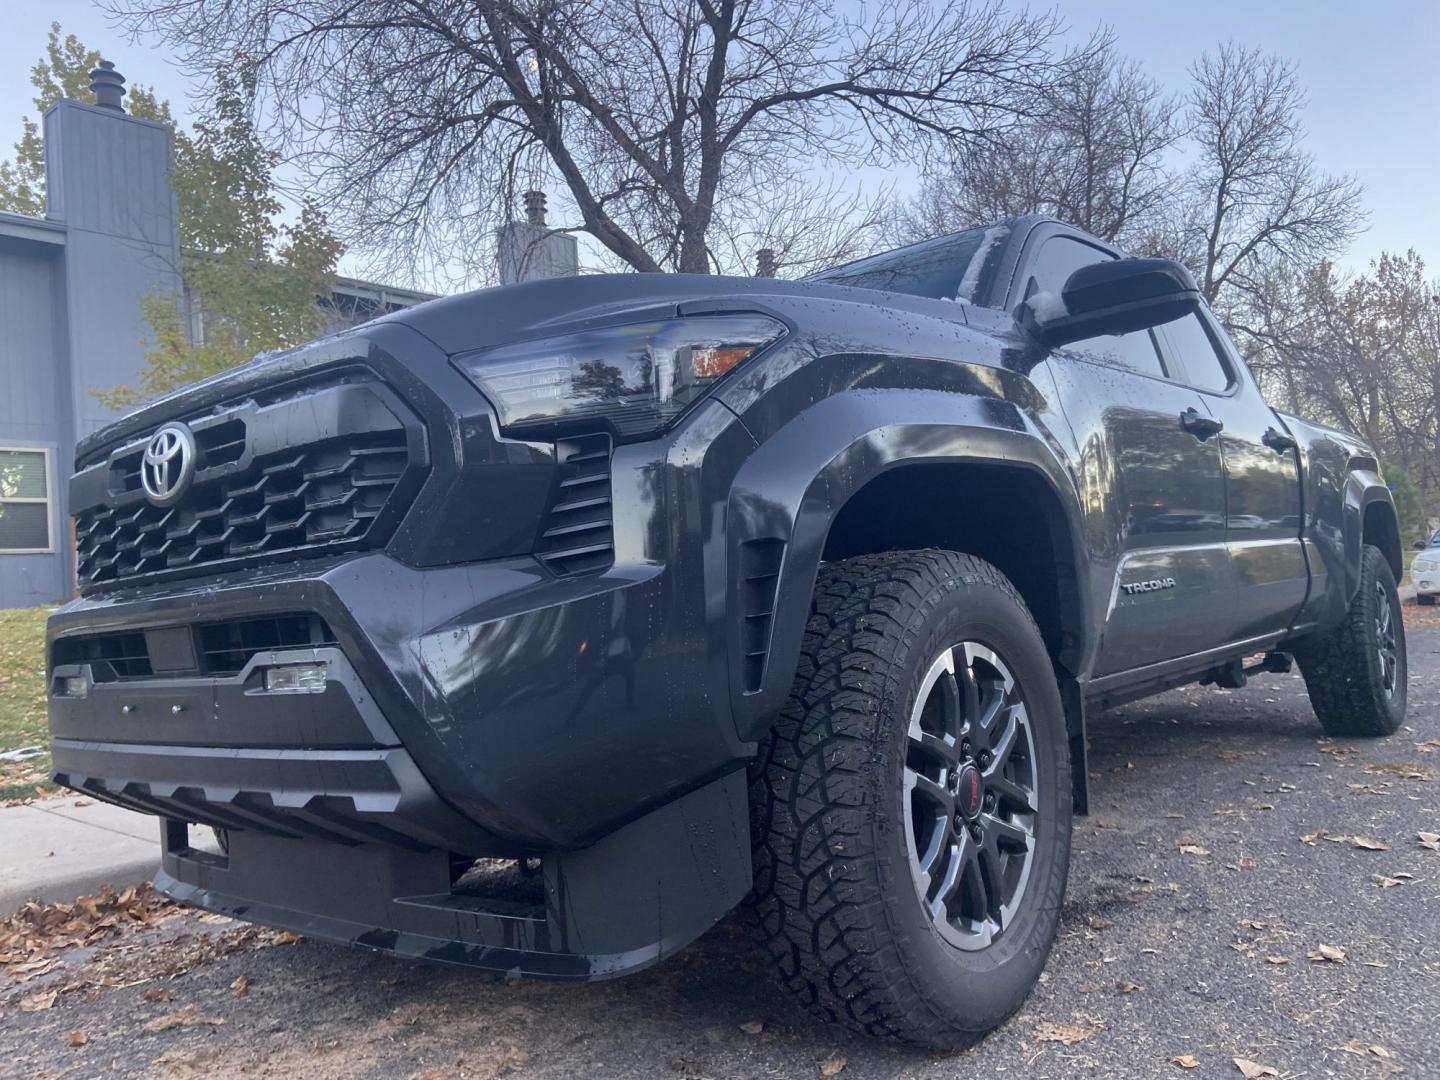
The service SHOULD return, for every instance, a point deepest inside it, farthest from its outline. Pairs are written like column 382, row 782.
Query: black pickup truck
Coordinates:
column 534, row 629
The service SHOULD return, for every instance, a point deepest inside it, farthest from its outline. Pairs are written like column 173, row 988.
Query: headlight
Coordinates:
column 1421, row 566
column 635, row 379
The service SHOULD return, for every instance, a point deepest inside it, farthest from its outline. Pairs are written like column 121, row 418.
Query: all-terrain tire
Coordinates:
column 837, row 904
column 1345, row 668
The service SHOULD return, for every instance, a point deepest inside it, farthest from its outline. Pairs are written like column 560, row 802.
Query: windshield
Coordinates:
column 953, row 267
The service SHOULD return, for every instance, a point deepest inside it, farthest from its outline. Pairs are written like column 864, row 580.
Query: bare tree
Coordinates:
column 1094, row 154
column 1253, row 194
column 668, row 122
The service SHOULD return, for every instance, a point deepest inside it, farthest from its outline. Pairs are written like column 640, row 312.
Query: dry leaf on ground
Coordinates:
column 186, row 1016
column 753, row 1027
column 1253, row 1070
column 834, row 1065
column 1429, row 840
column 41, row 999
column 1368, row 844
column 78, row 1038
column 1063, row 1033
column 1332, row 954
column 241, row 986
column 1185, row 1061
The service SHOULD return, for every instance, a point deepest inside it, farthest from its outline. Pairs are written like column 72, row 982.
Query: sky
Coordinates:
column 1371, row 70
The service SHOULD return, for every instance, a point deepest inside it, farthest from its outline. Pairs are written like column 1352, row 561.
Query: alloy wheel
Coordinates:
column 971, row 795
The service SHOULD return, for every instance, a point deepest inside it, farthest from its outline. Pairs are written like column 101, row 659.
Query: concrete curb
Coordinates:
column 59, row 849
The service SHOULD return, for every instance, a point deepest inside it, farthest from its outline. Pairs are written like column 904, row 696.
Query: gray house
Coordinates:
column 70, row 290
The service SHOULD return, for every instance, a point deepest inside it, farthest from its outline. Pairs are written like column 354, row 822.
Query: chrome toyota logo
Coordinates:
column 168, row 464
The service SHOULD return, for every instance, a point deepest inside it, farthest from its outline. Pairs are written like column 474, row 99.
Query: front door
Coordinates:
column 1151, row 481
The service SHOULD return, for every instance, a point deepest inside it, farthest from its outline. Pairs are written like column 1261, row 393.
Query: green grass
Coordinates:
column 22, row 699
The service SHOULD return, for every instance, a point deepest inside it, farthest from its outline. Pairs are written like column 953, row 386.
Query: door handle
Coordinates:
column 1200, row 425
column 1278, row 440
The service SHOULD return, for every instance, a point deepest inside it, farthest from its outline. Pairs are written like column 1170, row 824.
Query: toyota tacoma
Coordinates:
column 534, row 629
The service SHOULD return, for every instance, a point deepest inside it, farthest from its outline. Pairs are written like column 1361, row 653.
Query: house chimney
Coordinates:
column 765, row 264
column 535, row 207
column 108, row 86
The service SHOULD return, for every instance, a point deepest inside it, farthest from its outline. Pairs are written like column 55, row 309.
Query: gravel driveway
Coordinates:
column 1221, row 854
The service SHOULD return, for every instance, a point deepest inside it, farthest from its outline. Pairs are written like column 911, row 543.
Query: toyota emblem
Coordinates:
column 168, row 464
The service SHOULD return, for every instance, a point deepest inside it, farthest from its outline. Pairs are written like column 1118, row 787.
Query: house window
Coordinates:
column 24, row 501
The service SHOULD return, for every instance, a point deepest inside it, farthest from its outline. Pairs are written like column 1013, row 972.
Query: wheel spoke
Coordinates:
column 933, row 793
column 1008, row 835
column 969, row 693
column 1007, row 734
column 1011, row 795
column 934, row 749
column 954, row 867
column 992, row 878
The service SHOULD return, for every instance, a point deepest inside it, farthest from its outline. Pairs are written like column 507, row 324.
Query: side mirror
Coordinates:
column 1114, row 297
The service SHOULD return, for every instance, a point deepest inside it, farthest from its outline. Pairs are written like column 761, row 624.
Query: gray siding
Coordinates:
column 32, row 390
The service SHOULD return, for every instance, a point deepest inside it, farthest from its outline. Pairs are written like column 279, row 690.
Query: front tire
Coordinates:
column 1357, row 672
column 911, row 809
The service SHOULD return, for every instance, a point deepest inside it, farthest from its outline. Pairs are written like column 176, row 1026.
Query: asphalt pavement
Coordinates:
column 1229, row 844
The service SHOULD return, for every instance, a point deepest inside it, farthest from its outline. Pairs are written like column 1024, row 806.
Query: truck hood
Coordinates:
column 496, row 316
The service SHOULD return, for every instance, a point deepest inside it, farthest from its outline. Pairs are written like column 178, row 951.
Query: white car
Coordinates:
column 1425, row 572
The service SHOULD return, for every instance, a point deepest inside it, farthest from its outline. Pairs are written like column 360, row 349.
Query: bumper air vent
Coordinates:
column 217, row 648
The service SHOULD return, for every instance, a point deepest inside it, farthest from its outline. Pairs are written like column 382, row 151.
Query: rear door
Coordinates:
column 1262, row 477
column 1151, row 478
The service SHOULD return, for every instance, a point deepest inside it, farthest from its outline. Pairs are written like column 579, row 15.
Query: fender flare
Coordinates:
column 790, row 490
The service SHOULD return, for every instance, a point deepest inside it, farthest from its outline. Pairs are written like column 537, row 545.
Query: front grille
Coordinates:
column 577, row 534
column 307, row 475
column 214, row 648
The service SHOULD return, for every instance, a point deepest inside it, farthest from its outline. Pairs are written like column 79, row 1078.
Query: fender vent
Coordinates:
column 759, row 576
column 576, row 536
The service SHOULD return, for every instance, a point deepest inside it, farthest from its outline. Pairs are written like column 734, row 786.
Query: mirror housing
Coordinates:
column 1114, row 297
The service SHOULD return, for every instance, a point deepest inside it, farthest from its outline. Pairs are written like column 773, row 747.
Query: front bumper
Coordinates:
column 636, row 897
column 489, row 711
column 491, row 705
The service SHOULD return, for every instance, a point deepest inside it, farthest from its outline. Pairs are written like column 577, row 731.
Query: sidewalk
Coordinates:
column 59, row 849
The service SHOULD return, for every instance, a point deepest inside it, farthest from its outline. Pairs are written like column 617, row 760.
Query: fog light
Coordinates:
column 295, row 677
column 74, row 685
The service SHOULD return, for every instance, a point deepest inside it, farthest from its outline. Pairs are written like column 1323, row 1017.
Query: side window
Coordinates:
column 1061, row 256
column 1194, row 353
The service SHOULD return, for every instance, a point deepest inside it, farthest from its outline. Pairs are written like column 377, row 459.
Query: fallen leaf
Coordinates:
column 1186, row 1061
column 1385, row 882
column 41, row 999
column 1277, row 960
column 158, row 994
column 1193, row 849
column 1381, row 1052
column 1368, row 844
column 78, row 1038
column 753, row 1027
column 1328, row 954
column 834, row 1065
column 1429, row 840
column 186, row 1016
column 1253, row 1071
column 1063, row 1033
column 241, row 986
column 1126, row 987
column 285, row 937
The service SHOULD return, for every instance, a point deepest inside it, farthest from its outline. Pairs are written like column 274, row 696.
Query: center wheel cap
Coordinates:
column 969, row 792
